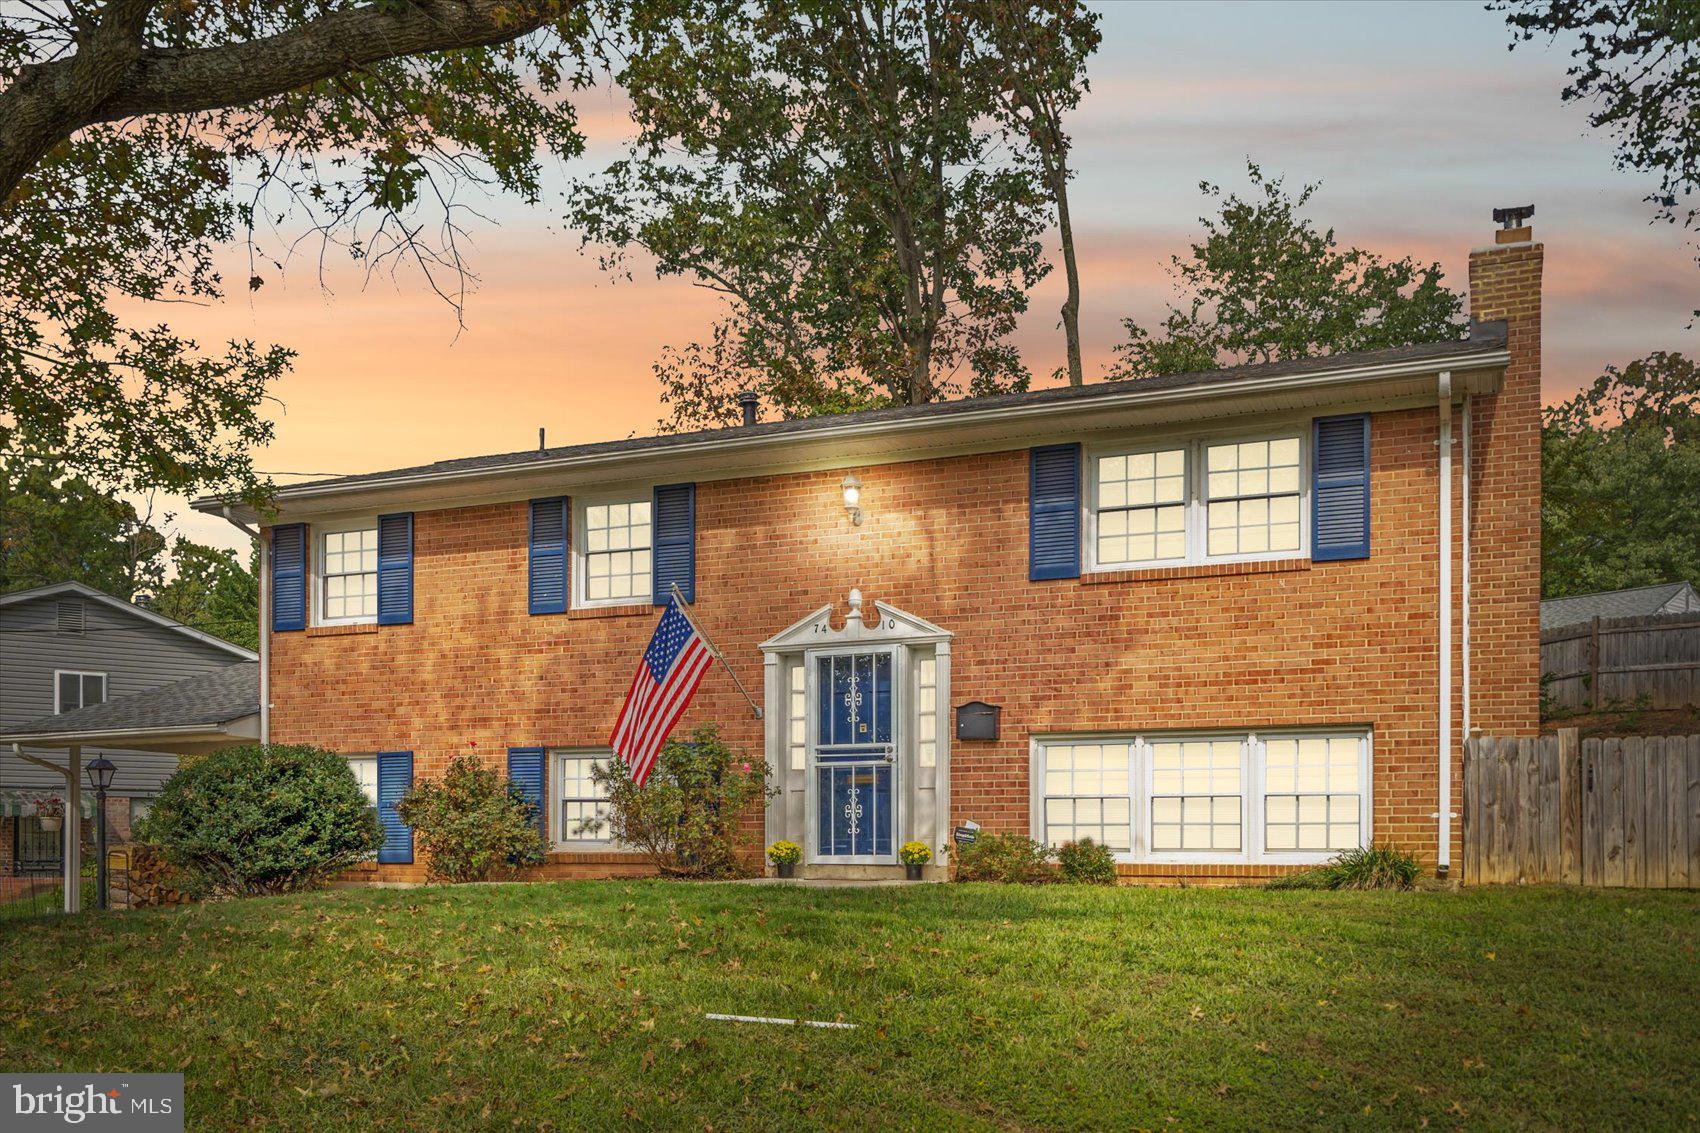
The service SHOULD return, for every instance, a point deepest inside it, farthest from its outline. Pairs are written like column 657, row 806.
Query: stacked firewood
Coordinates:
column 147, row 882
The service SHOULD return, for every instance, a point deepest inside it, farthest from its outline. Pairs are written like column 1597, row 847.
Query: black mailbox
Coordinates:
column 977, row 720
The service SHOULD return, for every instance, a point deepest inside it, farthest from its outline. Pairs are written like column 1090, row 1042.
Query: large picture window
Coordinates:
column 1213, row 798
column 1197, row 502
column 615, row 551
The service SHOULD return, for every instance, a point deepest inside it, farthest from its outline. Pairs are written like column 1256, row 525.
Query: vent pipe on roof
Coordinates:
column 750, row 402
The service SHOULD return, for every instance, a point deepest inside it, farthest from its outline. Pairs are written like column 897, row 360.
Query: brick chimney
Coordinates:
column 1505, row 487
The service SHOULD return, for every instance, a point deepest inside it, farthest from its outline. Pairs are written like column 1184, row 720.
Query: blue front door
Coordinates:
column 854, row 747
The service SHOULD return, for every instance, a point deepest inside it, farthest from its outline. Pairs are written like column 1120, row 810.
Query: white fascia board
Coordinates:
column 729, row 454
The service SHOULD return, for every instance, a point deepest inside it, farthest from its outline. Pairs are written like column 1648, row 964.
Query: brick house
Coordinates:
column 1211, row 609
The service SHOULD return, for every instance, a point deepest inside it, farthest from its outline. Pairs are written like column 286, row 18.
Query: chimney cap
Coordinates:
column 1514, row 216
column 750, row 402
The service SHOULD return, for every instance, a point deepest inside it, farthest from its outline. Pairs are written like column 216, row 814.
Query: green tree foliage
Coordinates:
column 213, row 591
column 686, row 815
column 1620, row 480
column 1265, row 285
column 261, row 819
column 57, row 527
column 836, row 171
column 471, row 823
column 1638, row 63
column 137, row 136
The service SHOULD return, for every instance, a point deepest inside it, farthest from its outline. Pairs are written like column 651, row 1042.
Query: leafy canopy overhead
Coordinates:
column 1637, row 62
column 138, row 136
column 1265, row 285
column 1620, row 492
column 835, row 170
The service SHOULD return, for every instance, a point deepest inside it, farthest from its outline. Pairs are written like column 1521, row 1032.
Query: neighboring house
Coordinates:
column 1637, row 602
column 67, row 650
column 1215, row 610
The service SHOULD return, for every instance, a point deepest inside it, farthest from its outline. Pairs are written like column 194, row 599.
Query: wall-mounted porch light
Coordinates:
column 853, row 498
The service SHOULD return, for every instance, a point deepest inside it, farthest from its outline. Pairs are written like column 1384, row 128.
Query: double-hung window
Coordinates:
column 347, row 577
column 1214, row 798
column 1252, row 497
column 74, row 689
column 1216, row 500
column 614, row 551
column 582, row 801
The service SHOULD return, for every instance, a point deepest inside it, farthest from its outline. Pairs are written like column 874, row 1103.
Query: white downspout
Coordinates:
column 1443, row 852
column 1465, row 567
column 265, row 624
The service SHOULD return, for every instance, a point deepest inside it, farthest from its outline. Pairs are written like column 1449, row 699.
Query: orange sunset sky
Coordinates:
column 1415, row 118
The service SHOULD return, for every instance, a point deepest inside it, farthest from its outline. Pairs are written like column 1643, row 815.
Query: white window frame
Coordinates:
column 1196, row 502
column 370, row 757
column 1252, row 791
column 579, row 540
column 105, row 687
column 559, row 840
column 319, row 532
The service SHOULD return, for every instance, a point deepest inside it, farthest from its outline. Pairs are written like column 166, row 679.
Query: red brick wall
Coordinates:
column 946, row 539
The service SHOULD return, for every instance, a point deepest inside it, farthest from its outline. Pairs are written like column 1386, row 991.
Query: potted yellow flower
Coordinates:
column 785, row 856
column 914, row 855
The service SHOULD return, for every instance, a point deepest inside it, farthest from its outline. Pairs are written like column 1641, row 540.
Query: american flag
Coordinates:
column 662, row 687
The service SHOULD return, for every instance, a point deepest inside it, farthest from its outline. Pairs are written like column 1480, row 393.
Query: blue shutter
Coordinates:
column 1339, row 490
column 395, row 779
column 525, row 771
column 675, row 557
column 289, row 577
column 549, row 556
column 1053, row 512
column 395, row 569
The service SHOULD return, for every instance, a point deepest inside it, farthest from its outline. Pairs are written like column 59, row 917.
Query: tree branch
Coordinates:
column 113, row 76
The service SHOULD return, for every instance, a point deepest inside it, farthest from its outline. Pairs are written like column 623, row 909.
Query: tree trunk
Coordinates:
column 1071, row 304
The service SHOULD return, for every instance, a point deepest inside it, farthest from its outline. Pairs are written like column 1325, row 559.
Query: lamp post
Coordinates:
column 100, row 772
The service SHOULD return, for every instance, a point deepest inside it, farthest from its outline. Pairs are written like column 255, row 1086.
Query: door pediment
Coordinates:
column 887, row 625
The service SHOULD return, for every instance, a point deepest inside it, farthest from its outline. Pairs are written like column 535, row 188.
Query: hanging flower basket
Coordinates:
column 50, row 812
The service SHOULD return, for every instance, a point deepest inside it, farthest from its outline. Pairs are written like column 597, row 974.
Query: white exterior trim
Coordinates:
column 738, row 452
column 579, row 553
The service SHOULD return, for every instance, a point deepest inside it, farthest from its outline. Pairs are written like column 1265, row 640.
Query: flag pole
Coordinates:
column 684, row 608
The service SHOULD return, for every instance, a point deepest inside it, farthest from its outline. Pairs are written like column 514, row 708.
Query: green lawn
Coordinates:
column 582, row 1004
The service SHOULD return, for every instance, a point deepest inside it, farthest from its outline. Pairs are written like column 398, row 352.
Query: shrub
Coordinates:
column 915, row 853
column 1010, row 858
column 261, row 819
column 471, row 822
column 686, row 815
column 1368, row 867
column 1087, row 862
column 785, row 853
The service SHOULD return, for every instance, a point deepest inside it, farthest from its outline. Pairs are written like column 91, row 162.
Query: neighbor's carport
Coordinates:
column 187, row 717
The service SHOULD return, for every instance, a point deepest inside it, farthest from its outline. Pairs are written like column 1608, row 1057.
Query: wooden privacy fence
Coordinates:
column 1594, row 664
column 1613, row 812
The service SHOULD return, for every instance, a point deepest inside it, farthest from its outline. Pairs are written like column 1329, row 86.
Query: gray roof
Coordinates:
column 1483, row 336
column 225, row 694
column 1641, row 601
